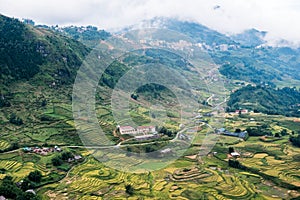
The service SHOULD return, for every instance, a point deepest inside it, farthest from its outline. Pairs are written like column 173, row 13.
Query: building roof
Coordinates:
column 77, row 157
column 145, row 127
column 2, row 198
column 235, row 154
column 168, row 150
column 126, row 128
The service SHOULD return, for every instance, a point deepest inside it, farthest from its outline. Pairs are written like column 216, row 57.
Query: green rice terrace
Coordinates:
column 268, row 166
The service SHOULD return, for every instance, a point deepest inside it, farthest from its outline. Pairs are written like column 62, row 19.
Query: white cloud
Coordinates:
column 278, row 17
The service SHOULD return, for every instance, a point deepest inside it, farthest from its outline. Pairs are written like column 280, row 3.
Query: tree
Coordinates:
column 9, row 189
column 134, row 96
column 129, row 189
column 264, row 126
column 284, row 132
column 15, row 120
column 277, row 135
column 25, row 185
column 44, row 103
column 235, row 164
column 66, row 155
column 56, row 161
column 35, row 176
column 238, row 130
column 230, row 149
column 295, row 140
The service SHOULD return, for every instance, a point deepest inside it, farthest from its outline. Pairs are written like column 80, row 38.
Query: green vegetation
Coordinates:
column 265, row 99
column 9, row 189
column 19, row 57
column 35, row 176
column 89, row 33
column 295, row 140
column 36, row 110
column 26, row 52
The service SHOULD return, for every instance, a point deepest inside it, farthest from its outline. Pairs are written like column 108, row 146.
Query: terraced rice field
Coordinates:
column 10, row 165
column 286, row 171
column 4, row 145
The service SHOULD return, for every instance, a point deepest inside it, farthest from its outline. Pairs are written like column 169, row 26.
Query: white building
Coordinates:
column 127, row 130
column 145, row 129
column 139, row 130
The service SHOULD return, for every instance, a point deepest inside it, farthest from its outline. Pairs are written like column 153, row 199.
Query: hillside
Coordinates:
column 244, row 56
column 285, row 101
column 37, row 54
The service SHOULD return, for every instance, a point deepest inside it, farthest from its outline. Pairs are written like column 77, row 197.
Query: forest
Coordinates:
column 267, row 100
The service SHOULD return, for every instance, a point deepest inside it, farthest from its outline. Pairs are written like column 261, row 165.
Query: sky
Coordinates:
column 280, row 18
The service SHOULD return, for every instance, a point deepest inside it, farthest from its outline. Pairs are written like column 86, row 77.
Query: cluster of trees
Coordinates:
column 85, row 33
column 295, row 140
column 35, row 176
column 235, row 164
column 14, row 119
column 259, row 131
column 129, row 189
column 10, row 190
column 4, row 102
column 267, row 100
column 165, row 131
column 153, row 147
column 59, row 160
column 134, row 96
column 112, row 74
column 246, row 70
column 153, row 90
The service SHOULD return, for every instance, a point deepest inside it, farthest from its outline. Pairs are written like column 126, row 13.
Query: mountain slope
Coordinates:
column 26, row 52
column 244, row 56
column 267, row 100
column 200, row 33
column 250, row 38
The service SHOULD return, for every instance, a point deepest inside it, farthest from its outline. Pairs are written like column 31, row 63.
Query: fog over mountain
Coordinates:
column 276, row 17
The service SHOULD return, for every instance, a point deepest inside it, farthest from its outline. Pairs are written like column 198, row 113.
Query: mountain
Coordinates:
column 196, row 31
column 250, row 38
column 29, row 53
column 245, row 56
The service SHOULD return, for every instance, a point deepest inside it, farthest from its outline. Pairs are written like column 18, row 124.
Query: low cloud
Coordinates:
column 278, row 17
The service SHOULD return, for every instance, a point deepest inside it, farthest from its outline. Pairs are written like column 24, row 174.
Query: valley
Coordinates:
column 50, row 145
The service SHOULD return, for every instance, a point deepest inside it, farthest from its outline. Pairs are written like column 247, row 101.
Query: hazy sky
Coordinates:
column 279, row 17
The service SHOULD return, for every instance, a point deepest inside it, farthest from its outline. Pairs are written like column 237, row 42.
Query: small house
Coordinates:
column 235, row 154
column 77, row 157
column 2, row 198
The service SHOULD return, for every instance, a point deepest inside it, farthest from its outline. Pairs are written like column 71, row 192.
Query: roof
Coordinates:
column 168, row 150
column 145, row 127
column 77, row 157
column 235, row 154
column 221, row 130
column 126, row 128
